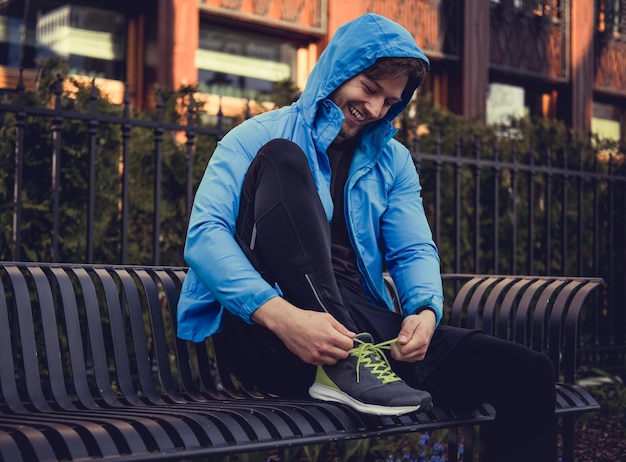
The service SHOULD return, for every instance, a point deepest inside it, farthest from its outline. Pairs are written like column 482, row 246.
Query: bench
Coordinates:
column 91, row 368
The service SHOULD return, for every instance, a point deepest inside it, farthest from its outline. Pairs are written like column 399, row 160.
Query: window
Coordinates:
column 91, row 40
column 547, row 8
column 606, row 122
column 504, row 102
column 242, row 64
column 612, row 16
column 17, row 40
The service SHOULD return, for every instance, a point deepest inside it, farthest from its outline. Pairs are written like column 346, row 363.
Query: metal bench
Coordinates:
column 91, row 368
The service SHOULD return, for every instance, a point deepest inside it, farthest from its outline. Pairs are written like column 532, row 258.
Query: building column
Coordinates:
column 581, row 65
column 135, row 59
column 474, row 80
column 178, row 26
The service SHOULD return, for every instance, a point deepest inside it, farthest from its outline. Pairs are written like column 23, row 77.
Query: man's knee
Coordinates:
column 286, row 161
column 284, row 151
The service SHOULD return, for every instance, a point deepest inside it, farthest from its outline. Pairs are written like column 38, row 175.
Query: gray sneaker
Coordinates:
column 365, row 382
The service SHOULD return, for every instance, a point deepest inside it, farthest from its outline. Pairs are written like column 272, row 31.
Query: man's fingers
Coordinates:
column 407, row 331
column 413, row 349
column 331, row 358
column 344, row 340
column 343, row 329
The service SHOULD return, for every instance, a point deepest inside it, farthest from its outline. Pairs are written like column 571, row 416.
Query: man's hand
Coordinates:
column 414, row 337
column 316, row 338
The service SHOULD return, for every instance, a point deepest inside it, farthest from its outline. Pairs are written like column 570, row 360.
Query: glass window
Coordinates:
column 606, row 122
column 17, row 40
column 242, row 64
column 92, row 40
column 504, row 102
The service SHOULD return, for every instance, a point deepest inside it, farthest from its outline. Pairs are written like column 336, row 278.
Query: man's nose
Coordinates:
column 375, row 107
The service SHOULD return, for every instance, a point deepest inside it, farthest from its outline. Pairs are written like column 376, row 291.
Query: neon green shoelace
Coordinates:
column 372, row 357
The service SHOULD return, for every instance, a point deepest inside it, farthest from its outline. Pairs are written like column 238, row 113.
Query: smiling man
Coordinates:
column 299, row 213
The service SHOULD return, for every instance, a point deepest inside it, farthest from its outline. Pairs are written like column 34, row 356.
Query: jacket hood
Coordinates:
column 356, row 46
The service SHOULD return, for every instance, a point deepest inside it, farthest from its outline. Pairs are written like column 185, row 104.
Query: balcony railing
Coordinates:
column 610, row 47
column 306, row 17
column 436, row 24
column 529, row 38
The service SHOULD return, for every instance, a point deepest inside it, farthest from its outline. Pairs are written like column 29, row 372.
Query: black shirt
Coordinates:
column 343, row 254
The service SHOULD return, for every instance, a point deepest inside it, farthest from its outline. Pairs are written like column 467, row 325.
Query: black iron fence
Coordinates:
column 82, row 180
column 126, row 165
column 498, row 210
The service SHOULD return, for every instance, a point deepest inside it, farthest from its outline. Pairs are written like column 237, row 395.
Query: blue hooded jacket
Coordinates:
column 384, row 211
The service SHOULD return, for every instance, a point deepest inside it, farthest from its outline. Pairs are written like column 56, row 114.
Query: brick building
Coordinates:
column 562, row 59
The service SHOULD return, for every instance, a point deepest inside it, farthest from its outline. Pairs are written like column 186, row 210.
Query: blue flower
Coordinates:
column 438, row 453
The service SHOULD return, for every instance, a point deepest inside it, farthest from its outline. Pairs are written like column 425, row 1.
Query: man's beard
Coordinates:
column 347, row 134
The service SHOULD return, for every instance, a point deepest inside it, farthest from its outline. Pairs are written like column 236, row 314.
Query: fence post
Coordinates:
column 531, row 212
column 564, row 221
column 20, row 118
column 457, row 204
column 438, row 169
column 497, row 171
column 514, row 179
column 158, row 168
column 191, row 142
column 477, row 199
column 57, row 122
column 126, row 127
column 93, row 127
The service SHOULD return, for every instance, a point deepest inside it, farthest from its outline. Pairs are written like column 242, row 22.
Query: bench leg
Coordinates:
column 567, row 433
column 469, row 436
column 453, row 444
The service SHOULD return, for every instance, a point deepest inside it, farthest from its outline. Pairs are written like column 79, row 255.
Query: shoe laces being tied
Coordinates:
column 372, row 356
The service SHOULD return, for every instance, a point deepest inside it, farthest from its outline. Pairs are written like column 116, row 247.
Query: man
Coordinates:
column 299, row 212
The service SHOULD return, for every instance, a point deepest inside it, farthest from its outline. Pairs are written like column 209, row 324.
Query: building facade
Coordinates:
column 563, row 59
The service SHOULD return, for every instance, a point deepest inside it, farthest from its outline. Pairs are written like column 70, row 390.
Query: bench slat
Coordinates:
column 64, row 439
column 7, row 366
column 19, row 442
column 93, row 435
column 69, row 304
column 504, row 329
column 26, row 338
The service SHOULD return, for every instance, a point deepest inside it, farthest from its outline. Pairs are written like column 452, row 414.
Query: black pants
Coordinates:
column 283, row 230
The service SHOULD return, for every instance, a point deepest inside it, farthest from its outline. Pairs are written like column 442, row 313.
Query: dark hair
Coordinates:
column 390, row 68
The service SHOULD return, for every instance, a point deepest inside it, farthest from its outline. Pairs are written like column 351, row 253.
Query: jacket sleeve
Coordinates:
column 412, row 257
column 210, row 249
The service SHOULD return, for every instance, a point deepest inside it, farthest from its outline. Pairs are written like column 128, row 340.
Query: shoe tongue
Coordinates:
column 364, row 337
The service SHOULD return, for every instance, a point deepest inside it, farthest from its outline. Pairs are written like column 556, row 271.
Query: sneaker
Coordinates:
column 365, row 382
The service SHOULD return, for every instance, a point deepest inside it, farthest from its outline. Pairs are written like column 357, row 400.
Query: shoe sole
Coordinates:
column 325, row 393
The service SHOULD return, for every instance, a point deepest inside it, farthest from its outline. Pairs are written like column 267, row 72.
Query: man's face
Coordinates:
column 364, row 100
